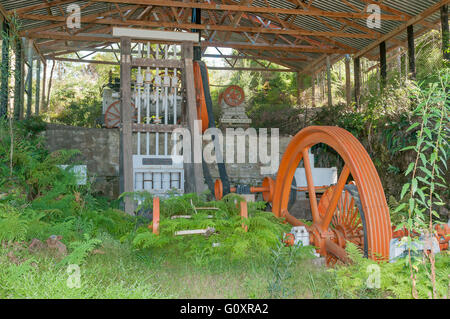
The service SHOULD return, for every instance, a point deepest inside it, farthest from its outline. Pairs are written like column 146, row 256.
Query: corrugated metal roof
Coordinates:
column 304, row 22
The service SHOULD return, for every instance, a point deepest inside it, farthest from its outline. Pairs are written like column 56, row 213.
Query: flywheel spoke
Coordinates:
column 310, row 182
column 335, row 198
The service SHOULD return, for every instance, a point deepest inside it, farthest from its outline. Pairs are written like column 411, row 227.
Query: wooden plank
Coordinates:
column 82, row 61
column 153, row 63
column 126, row 133
column 152, row 35
column 226, row 28
column 153, row 128
column 276, row 47
column 249, row 69
column 206, row 232
column 188, row 217
column 193, row 171
column 251, row 57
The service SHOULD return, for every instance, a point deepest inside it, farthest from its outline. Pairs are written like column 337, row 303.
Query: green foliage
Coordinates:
column 420, row 195
column 427, row 171
column 77, row 92
column 81, row 249
column 234, row 243
column 270, row 96
column 12, row 226
column 282, row 268
column 394, row 278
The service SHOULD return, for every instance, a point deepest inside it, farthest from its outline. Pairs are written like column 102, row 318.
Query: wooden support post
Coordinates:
column 299, row 89
column 411, row 52
column 44, row 84
column 29, row 76
column 126, row 132
column 22, row 82
column 194, row 181
column 357, row 75
column 313, row 90
column 18, row 80
column 348, row 84
column 445, row 32
column 38, row 87
column 383, row 64
column 5, row 70
column 330, row 101
column 197, row 19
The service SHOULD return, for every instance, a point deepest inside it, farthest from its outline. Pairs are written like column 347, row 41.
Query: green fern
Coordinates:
column 12, row 226
column 81, row 250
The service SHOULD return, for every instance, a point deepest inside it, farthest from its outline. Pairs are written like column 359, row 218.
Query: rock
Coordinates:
column 98, row 252
column 36, row 245
column 13, row 258
column 53, row 242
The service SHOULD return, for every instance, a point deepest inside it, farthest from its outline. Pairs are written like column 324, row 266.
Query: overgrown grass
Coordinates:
column 122, row 272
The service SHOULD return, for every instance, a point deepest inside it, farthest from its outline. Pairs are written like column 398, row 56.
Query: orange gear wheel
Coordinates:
column 202, row 111
column 348, row 222
column 234, row 95
column 112, row 114
column 358, row 165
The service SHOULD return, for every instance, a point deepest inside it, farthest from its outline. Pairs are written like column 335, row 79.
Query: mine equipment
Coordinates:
column 354, row 209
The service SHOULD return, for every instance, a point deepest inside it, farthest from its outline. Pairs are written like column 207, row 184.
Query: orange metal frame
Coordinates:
column 202, row 111
column 357, row 164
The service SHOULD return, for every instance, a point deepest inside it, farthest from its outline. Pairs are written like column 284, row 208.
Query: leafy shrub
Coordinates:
column 394, row 277
column 12, row 226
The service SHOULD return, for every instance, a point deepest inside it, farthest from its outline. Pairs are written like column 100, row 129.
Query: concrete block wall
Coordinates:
column 100, row 152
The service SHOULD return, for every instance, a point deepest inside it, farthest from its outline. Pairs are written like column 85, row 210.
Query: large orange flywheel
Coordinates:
column 359, row 166
column 202, row 112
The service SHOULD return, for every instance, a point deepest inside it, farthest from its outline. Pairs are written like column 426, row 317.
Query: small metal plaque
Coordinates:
column 157, row 161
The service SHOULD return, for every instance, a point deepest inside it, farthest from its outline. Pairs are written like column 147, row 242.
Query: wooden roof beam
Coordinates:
column 252, row 9
column 120, row 22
